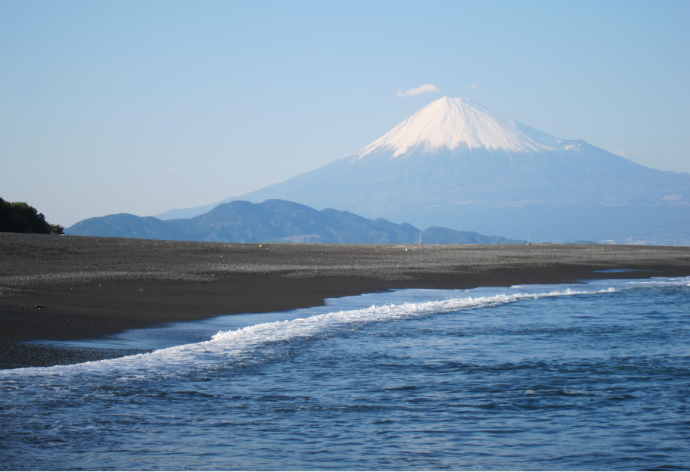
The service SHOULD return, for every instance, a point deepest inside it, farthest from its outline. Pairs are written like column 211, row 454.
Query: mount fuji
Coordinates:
column 458, row 165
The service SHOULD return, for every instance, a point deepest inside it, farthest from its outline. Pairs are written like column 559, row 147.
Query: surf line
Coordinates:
column 228, row 345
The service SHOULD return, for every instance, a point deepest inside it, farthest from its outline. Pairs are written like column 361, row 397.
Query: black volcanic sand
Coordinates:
column 78, row 287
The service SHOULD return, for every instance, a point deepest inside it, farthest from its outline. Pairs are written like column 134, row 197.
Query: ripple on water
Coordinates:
column 588, row 381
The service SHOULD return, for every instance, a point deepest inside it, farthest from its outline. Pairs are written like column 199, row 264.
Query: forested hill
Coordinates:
column 275, row 221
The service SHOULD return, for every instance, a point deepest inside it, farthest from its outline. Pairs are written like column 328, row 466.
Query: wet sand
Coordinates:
column 76, row 287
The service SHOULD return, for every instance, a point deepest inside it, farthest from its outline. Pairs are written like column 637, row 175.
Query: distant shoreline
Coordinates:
column 77, row 287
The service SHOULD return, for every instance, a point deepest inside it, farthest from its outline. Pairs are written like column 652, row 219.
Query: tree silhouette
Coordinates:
column 19, row 217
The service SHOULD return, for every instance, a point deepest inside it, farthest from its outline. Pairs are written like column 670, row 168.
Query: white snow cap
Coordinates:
column 452, row 122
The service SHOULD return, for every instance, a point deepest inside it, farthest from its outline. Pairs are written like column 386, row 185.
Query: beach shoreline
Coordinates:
column 61, row 288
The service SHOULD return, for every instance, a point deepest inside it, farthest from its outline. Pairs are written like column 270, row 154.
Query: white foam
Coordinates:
column 228, row 346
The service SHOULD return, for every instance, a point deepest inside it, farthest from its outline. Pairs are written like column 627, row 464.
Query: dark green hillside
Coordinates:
column 275, row 221
column 20, row 217
column 124, row 225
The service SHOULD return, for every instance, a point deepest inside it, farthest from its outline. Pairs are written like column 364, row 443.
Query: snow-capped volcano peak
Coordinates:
column 456, row 122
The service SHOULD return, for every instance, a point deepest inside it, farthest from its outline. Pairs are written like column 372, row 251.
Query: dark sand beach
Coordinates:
column 73, row 287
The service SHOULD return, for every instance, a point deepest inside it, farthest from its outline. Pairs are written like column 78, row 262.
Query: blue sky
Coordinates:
column 140, row 107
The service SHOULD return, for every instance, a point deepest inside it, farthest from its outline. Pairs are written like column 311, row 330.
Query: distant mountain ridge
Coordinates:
column 275, row 221
column 458, row 165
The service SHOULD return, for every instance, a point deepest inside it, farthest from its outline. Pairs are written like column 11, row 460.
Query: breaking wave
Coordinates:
column 228, row 345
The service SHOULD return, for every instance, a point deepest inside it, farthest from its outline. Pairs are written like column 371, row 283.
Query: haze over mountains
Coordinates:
column 275, row 221
column 458, row 165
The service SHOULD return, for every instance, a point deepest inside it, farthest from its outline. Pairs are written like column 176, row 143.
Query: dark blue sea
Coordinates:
column 566, row 377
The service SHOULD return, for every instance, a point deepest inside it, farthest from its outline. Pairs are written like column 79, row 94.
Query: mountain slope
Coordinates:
column 275, row 221
column 455, row 164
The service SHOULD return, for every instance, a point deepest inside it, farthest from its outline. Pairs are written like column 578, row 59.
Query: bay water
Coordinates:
column 567, row 377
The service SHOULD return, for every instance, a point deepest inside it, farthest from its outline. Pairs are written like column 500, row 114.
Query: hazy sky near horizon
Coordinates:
column 141, row 107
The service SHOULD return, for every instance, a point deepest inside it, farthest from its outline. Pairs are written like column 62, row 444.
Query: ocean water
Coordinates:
column 566, row 377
